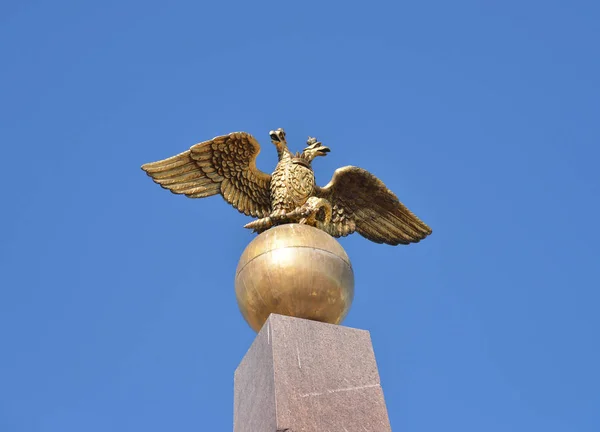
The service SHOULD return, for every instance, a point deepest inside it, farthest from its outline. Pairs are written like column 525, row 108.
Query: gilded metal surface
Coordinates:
column 353, row 201
column 294, row 270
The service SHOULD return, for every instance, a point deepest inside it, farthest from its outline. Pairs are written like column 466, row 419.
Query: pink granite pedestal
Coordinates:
column 307, row 376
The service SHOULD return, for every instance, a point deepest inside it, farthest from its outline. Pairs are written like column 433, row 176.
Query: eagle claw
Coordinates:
column 279, row 215
column 307, row 214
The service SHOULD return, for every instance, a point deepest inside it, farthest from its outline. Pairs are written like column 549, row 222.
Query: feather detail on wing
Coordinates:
column 362, row 203
column 225, row 165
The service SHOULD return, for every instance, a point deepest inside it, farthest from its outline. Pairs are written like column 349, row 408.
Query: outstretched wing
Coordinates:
column 225, row 165
column 362, row 203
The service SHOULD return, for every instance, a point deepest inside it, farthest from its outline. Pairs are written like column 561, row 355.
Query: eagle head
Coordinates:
column 314, row 148
column 278, row 137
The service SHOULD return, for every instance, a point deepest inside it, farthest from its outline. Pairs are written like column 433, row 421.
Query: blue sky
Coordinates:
column 117, row 309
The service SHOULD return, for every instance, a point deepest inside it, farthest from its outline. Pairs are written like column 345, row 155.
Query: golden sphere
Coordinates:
column 294, row 270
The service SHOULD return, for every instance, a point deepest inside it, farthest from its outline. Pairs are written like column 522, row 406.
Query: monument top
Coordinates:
column 294, row 267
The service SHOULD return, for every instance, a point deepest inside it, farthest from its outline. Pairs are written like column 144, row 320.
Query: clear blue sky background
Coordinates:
column 117, row 310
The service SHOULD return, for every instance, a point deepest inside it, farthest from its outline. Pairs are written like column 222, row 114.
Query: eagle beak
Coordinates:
column 322, row 150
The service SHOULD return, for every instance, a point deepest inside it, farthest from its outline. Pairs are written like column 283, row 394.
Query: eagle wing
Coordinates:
column 225, row 165
column 361, row 202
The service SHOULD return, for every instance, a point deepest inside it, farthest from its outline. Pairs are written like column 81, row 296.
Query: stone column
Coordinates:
column 307, row 376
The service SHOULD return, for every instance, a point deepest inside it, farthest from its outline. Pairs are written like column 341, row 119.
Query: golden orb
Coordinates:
column 294, row 270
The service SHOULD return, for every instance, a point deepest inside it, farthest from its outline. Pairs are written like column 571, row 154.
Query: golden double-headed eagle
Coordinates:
column 354, row 199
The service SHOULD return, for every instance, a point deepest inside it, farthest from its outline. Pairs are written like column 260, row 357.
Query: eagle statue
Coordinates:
column 354, row 199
